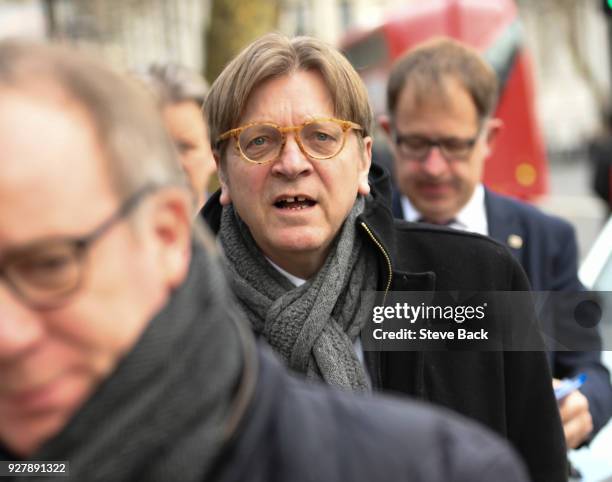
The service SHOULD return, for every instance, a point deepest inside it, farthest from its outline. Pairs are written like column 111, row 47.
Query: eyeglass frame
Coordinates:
column 438, row 143
column 235, row 133
column 79, row 244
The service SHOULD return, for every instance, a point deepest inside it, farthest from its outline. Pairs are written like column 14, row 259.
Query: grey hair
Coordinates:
column 172, row 83
column 126, row 122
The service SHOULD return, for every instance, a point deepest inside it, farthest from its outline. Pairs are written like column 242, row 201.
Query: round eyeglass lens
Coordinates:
column 322, row 139
column 49, row 273
column 260, row 143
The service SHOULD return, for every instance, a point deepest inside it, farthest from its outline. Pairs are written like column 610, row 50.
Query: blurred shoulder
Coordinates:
column 366, row 437
column 530, row 215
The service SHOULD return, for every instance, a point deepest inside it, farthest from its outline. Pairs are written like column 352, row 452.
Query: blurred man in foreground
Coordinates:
column 441, row 97
column 120, row 349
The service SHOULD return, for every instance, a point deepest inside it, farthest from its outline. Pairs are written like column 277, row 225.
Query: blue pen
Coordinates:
column 568, row 385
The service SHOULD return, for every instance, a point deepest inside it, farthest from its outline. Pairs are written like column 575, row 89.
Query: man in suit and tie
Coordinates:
column 440, row 99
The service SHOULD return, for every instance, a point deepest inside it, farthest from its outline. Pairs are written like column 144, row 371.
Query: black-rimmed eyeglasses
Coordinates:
column 45, row 273
column 417, row 148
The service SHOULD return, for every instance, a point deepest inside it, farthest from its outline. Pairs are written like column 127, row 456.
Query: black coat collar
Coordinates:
column 379, row 218
column 211, row 212
column 377, row 213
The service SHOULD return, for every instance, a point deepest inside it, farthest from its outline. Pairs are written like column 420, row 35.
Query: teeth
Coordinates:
column 294, row 200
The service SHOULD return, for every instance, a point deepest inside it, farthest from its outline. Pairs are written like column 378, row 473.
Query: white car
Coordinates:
column 595, row 461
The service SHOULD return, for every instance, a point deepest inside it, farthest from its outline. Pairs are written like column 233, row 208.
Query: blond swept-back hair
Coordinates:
column 274, row 55
column 125, row 119
column 425, row 67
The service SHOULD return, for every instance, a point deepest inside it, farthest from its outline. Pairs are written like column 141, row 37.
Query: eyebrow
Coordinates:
column 267, row 121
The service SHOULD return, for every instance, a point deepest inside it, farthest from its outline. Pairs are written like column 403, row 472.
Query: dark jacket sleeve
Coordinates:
column 534, row 425
column 306, row 432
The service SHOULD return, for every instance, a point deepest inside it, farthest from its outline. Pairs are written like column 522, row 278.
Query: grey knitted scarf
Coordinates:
column 313, row 326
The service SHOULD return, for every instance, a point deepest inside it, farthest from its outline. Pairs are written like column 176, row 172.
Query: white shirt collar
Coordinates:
column 357, row 345
column 294, row 279
column 472, row 217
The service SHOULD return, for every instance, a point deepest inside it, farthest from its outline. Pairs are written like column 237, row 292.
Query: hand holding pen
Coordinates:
column 574, row 410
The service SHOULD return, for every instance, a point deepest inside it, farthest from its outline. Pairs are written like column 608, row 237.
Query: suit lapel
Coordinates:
column 504, row 225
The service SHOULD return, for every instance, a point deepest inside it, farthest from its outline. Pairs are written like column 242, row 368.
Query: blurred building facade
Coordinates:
column 570, row 47
column 330, row 19
column 25, row 17
column 128, row 33
column 568, row 40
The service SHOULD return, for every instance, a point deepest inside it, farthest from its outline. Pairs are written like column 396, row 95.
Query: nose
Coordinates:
column 20, row 328
column 292, row 162
column 434, row 164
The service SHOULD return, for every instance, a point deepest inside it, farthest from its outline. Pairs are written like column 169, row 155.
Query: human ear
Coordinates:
column 494, row 126
column 172, row 218
column 365, row 162
column 225, row 197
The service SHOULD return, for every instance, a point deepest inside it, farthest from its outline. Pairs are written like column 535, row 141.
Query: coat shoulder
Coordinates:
column 459, row 259
column 304, row 423
column 439, row 236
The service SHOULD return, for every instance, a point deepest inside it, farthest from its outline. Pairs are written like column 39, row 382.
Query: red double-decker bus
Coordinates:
column 518, row 165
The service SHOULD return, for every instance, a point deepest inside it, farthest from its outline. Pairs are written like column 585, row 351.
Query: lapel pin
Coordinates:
column 515, row 241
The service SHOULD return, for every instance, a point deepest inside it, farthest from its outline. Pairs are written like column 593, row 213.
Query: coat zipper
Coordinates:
column 387, row 258
column 419, row 388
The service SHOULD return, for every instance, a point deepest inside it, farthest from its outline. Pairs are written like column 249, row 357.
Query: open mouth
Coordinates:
column 294, row 203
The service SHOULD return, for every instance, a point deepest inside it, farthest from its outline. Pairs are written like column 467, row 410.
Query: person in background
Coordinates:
column 181, row 93
column 308, row 234
column 121, row 348
column 440, row 99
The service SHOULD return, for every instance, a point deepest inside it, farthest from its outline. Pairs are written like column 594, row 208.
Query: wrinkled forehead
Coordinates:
column 53, row 177
column 289, row 99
